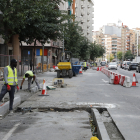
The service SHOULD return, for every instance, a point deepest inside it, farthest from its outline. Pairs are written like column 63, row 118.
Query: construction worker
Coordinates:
column 10, row 82
column 30, row 74
column 85, row 66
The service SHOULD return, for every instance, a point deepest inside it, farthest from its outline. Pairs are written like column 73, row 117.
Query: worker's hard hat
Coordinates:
column 94, row 138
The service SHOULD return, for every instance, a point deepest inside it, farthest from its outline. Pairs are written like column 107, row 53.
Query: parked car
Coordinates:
column 138, row 68
column 112, row 65
column 132, row 66
column 103, row 63
column 126, row 66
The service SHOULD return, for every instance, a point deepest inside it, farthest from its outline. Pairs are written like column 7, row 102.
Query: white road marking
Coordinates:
column 11, row 131
column 104, row 81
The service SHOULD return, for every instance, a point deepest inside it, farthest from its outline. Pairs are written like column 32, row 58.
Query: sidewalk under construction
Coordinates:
column 73, row 107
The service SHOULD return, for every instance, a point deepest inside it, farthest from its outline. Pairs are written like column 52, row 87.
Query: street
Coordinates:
column 64, row 114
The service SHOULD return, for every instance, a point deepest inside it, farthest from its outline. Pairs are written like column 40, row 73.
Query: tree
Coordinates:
column 120, row 55
column 73, row 38
column 96, row 50
column 84, row 52
column 32, row 20
column 110, row 57
column 128, row 55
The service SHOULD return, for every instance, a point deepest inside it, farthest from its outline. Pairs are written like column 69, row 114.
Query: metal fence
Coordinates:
column 24, row 64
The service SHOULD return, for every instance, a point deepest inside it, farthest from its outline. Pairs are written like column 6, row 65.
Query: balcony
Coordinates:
column 114, row 47
column 82, row 5
column 113, row 51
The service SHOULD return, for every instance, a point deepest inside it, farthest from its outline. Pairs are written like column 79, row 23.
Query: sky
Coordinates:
column 110, row 11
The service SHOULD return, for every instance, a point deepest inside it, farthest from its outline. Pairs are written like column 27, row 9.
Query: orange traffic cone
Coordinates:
column 134, row 80
column 80, row 71
column 44, row 92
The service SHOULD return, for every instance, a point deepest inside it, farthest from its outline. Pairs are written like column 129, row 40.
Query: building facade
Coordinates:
column 83, row 11
column 111, row 29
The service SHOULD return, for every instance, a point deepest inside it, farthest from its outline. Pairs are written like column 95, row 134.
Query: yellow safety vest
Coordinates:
column 85, row 65
column 11, row 77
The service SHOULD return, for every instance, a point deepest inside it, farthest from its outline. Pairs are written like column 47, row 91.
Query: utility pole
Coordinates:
column 42, row 58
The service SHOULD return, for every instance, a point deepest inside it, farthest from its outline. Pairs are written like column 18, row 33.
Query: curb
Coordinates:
column 101, row 130
column 5, row 107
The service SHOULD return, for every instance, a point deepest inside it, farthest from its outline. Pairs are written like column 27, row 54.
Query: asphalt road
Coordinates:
column 90, row 89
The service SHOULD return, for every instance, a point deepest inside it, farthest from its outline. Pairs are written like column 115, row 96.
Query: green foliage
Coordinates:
column 79, row 45
column 110, row 57
column 96, row 50
column 32, row 19
column 84, row 51
column 72, row 38
column 128, row 55
column 120, row 55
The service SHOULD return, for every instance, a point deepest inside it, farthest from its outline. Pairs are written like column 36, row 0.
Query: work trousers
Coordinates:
column 29, row 82
column 11, row 95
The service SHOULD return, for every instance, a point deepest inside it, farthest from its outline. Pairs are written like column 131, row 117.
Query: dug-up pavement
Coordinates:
column 88, row 90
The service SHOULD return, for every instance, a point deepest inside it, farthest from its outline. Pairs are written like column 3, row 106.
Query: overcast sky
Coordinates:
column 110, row 11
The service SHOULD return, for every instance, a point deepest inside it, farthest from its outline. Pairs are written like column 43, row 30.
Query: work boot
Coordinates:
column 10, row 113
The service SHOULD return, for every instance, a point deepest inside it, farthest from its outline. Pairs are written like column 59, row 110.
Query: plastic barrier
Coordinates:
column 116, row 80
column 127, row 82
column 122, row 81
column 111, row 80
column 119, row 78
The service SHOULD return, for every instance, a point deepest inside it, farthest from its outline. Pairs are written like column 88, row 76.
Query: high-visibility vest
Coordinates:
column 85, row 64
column 11, row 77
column 29, row 72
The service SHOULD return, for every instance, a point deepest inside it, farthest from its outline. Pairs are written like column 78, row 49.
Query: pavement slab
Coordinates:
column 50, row 125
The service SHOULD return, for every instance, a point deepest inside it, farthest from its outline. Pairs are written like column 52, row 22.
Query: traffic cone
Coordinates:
column 44, row 92
column 80, row 71
column 116, row 80
column 134, row 80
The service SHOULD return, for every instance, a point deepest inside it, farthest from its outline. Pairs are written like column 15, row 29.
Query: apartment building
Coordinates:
column 111, row 29
column 97, row 37
column 83, row 11
column 135, row 41
column 112, row 44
